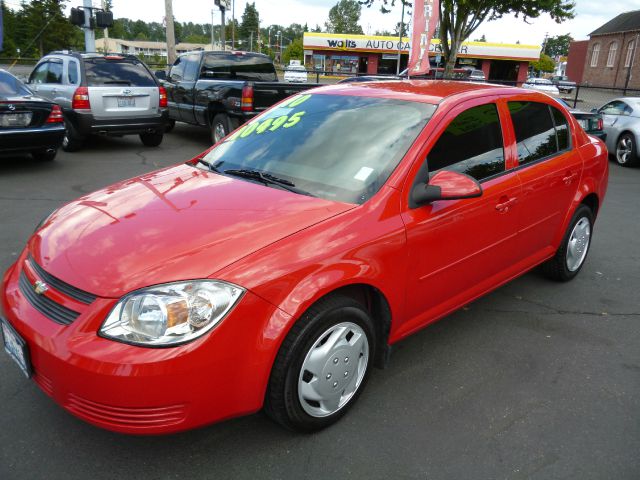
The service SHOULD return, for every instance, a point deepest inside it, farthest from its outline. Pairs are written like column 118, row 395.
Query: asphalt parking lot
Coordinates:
column 536, row 380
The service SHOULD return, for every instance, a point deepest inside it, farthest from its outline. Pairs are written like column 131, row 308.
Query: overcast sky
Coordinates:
column 590, row 14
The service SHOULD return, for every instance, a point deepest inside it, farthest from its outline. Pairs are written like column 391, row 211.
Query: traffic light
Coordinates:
column 77, row 17
column 104, row 19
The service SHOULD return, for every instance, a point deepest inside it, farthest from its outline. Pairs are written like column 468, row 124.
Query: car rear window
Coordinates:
column 105, row 72
column 10, row 86
column 239, row 67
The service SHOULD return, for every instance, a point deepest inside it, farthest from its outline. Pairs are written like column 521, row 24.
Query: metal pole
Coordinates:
column 400, row 39
column 233, row 24
column 89, row 34
column 223, row 34
column 212, row 29
column 280, row 48
column 171, row 37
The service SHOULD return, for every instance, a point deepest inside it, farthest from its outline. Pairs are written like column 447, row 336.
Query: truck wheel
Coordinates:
column 72, row 141
column 220, row 127
column 152, row 139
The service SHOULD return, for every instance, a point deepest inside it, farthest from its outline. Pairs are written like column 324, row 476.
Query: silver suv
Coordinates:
column 108, row 94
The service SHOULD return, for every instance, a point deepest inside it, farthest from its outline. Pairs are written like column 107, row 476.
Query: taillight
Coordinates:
column 600, row 124
column 55, row 116
column 246, row 105
column 81, row 99
column 163, row 97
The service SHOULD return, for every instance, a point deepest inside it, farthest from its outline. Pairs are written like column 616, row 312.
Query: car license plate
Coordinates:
column 21, row 119
column 126, row 102
column 16, row 347
column 584, row 123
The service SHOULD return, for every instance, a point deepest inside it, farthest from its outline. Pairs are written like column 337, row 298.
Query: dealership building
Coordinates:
column 342, row 53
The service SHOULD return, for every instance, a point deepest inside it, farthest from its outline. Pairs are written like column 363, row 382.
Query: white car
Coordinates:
column 542, row 85
column 295, row 74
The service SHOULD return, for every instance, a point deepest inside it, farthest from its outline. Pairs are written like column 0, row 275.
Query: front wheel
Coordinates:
column 152, row 139
column 322, row 365
column 627, row 151
column 570, row 257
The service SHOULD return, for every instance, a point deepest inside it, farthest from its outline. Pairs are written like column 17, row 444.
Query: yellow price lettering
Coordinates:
column 264, row 125
column 249, row 129
column 294, row 119
column 278, row 122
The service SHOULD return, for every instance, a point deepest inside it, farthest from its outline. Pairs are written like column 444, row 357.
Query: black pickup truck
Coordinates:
column 222, row 90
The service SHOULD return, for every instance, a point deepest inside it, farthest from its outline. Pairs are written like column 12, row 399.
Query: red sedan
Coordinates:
column 276, row 269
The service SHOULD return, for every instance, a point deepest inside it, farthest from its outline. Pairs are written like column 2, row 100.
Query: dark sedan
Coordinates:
column 591, row 122
column 28, row 123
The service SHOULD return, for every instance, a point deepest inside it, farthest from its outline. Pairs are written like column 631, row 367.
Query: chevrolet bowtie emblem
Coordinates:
column 40, row 287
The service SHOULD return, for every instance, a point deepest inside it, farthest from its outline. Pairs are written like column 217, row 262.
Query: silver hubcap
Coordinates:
column 578, row 244
column 218, row 132
column 333, row 369
column 624, row 150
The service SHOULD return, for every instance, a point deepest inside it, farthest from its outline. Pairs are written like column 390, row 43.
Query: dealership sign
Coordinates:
column 373, row 44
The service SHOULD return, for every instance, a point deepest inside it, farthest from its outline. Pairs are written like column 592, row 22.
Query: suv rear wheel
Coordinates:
column 152, row 139
column 72, row 141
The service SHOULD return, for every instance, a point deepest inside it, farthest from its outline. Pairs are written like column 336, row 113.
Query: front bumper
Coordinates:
column 140, row 390
column 86, row 124
column 20, row 140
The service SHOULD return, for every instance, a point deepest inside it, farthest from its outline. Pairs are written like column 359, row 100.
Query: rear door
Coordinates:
column 120, row 87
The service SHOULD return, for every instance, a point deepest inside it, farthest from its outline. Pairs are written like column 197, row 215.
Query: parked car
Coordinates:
column 295, row 74
column 28, row 123
column 591, row 122
column 621, row 118
column 108, row 94
column 541, row 85
column 563, row 83
column 277, row 268
column 222, row 90
column 477, row 75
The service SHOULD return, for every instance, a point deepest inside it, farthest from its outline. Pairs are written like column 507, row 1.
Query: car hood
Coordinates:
column 174, row 224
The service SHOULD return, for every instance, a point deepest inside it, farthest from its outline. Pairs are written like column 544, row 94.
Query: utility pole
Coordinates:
column 233, row 25
column 89, row 35
column 400, row 39
column 171, row 38
column 106, row 30
column 223, row 35
column 212, row 29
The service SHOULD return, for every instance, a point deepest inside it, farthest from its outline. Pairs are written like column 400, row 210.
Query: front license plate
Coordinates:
column 16, row 347
column 126, row 102
column 15, row 119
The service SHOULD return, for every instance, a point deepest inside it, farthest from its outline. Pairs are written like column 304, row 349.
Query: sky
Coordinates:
column 590, row 14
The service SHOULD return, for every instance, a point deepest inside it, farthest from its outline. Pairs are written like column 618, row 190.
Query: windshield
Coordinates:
column 336, row 147
column 118, row 71
column 10, row 86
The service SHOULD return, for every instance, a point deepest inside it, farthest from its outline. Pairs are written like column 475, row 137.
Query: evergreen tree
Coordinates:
column 250, row 23
column 344, row 17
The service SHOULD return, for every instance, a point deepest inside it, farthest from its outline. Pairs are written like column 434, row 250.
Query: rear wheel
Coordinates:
column 570, row 257
column 72, row 141
column 44, row 155
column 627, row 151
column 221, row 126
column 322, row 365
column 152, row 139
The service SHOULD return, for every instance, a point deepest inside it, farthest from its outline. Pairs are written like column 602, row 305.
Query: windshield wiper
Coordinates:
column 266, row 178
column 211, row 166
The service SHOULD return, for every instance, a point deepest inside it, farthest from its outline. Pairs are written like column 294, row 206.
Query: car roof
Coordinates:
column 425, row 91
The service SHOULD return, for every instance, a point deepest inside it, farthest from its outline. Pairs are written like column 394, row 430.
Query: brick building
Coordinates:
column 576, row 60
column 613, row 50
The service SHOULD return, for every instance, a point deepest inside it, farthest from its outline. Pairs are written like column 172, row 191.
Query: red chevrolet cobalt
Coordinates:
column 277, row 268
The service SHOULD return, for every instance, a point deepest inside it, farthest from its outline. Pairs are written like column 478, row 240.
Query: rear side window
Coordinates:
column 535, row 131
column 471, row 144
column 106, row 72
column 73, row 73
column 191, row 67
column 562, row 128
column 239, row 67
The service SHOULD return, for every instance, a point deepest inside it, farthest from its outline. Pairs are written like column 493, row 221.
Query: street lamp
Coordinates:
column 280, row 33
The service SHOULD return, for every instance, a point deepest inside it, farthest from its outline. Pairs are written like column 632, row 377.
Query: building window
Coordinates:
column 611, row 58
column 594, row 55
column 627, row 60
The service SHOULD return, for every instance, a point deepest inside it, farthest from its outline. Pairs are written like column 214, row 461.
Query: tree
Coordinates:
column 558, row 45
column 459, row 19
column 250, row 22
column 544, row 64
column 294, row 51
column 481, row 39
column 344, row 17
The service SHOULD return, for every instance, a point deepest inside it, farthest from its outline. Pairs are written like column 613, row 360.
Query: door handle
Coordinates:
column 569, row 178
column 504, row 206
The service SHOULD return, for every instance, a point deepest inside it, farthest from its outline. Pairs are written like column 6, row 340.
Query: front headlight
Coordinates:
column 170, row 314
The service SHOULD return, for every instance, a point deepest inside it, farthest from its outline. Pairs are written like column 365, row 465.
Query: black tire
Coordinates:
column 626, row 153
column 220, row 127
column 282, row 401
column 72, row 141
column 152, row 139
column 44, row 155
column 556, row 268
column 170, row 125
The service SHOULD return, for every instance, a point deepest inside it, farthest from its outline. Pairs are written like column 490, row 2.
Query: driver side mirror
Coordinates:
column 446, row 185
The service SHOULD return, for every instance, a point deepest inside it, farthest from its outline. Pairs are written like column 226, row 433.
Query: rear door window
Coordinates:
column 239, row 67
column 535, row 131
column 73, row 72
column 562, row 128
column 119, row 71
column 54, row 72
column 192, row 62
column 471, row 144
